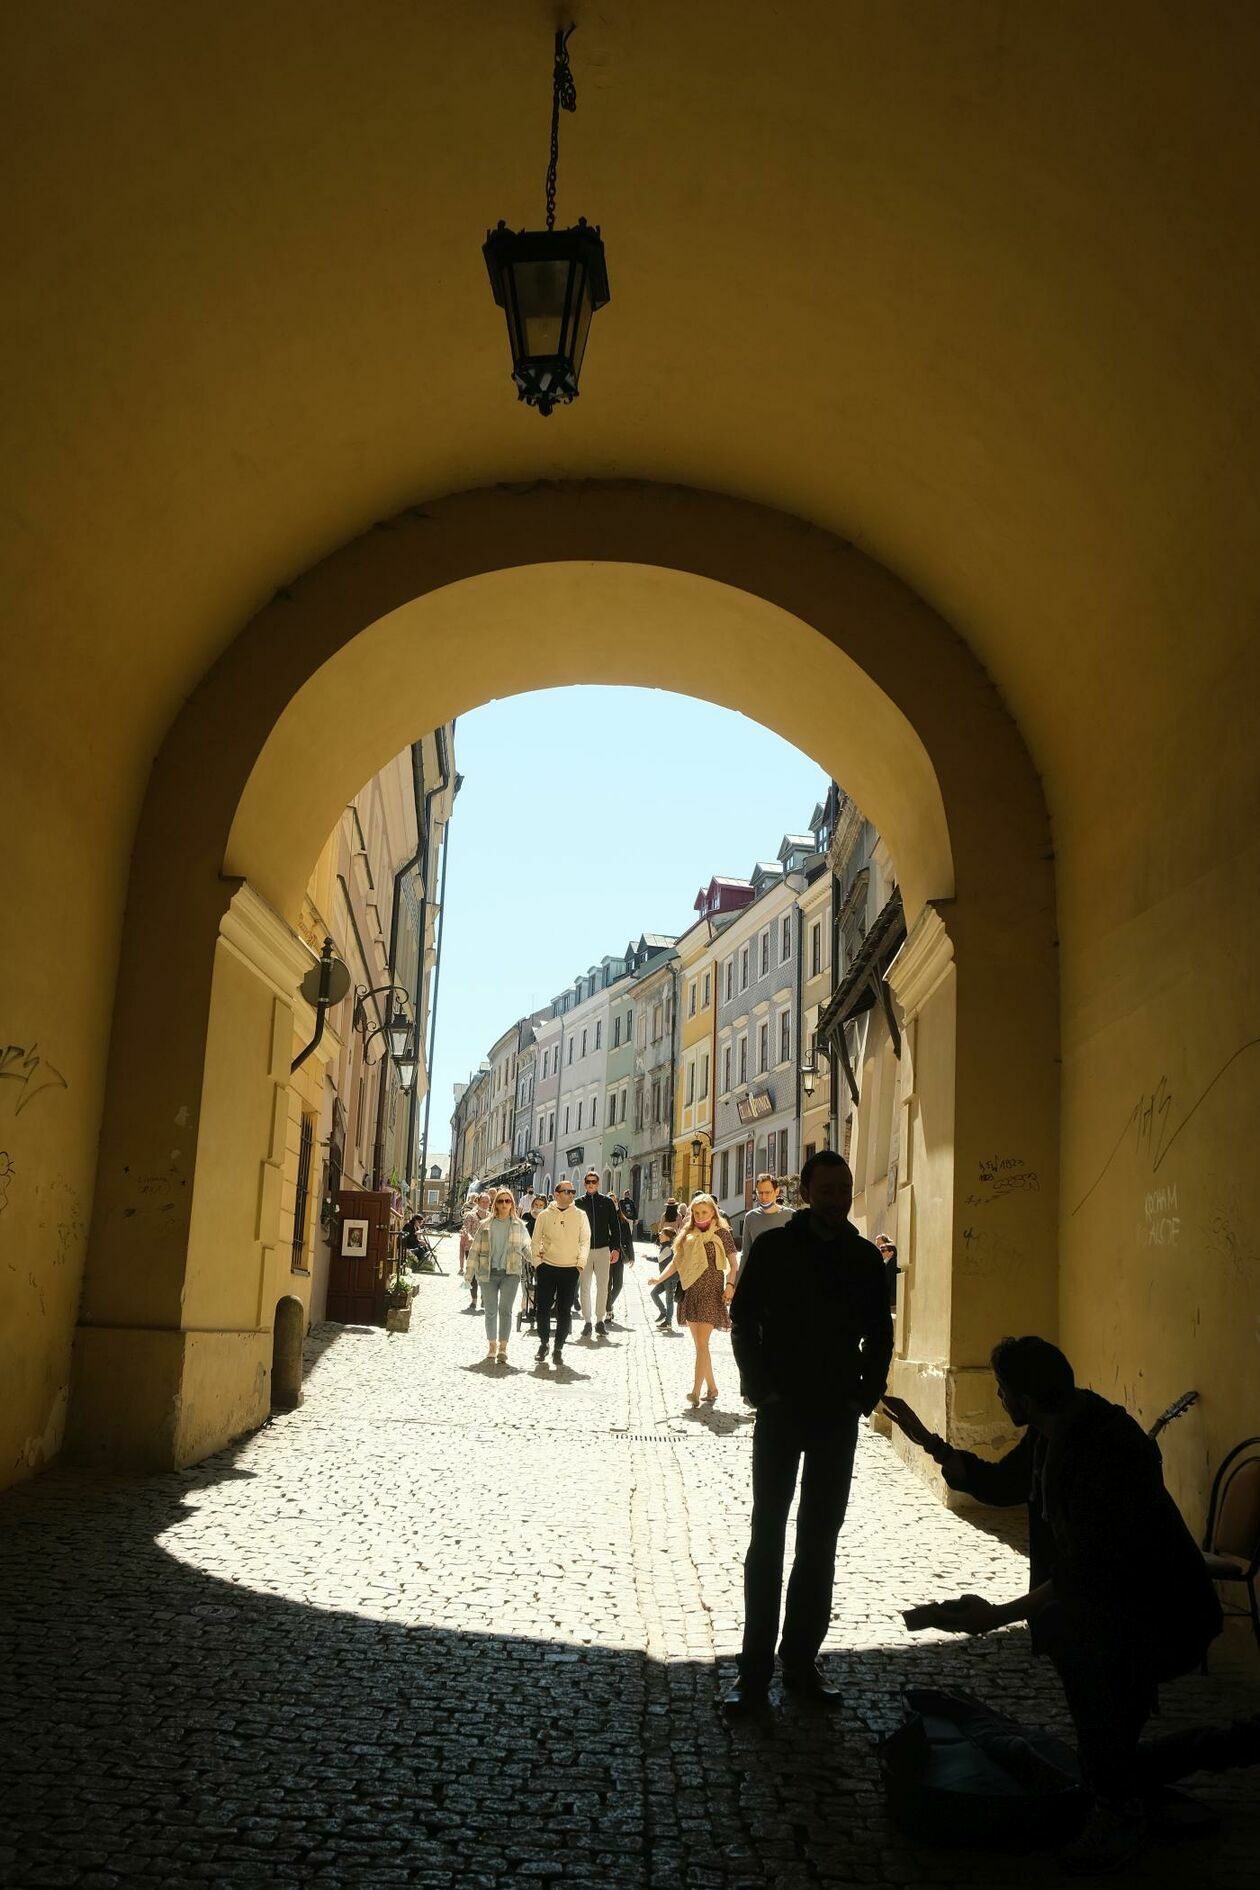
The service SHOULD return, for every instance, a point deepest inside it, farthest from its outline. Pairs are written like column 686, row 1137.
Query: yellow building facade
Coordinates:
column 696, row 1064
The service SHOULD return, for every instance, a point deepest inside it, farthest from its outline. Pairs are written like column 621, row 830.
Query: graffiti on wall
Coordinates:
column 24, row 1075
column 1154, row 1123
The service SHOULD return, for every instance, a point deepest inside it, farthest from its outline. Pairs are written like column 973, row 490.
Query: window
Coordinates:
column 691, row 1083
column 656, row 1101
column 570, row 1049
column 691, row 998
column 743, row 969
column 566, row 1118
column 551, row 1126
column 629, row 1023
column 743, row 1059
column 785, row 941
column 724, row 1185
column 616, row 1031
column 625, row 1097
column 785, row 1036
column 656, row 1023
column 763, row 952
column 811, row 1149
column 763, row 1048
column 540, row 1128
column 582, row 1051
column 783, row 1152
column 579, row 1114
column 704, row 1076
column 599, row 1033
column 708, row 991
column 815, row 948
column 301, row 1203
column 739, row 1167
column 726, row 1069
column 730, row 977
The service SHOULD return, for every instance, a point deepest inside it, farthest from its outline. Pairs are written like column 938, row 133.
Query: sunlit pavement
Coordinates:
column 454, row 1624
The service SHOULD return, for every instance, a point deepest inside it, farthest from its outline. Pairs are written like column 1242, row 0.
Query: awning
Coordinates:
column 863, row 985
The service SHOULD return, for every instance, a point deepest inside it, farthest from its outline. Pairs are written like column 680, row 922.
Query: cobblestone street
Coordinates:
column 450, row 1624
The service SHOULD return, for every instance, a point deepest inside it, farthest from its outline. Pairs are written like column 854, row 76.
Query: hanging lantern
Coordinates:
column 549, row 282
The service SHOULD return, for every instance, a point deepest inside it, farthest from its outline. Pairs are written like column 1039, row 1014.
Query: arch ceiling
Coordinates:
column 540, row 626
column 976, row 294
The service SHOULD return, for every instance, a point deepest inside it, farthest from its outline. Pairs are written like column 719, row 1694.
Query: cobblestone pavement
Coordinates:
column 446, row 1624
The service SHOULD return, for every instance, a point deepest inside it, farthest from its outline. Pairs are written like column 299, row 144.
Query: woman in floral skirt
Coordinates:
column 704, row 1258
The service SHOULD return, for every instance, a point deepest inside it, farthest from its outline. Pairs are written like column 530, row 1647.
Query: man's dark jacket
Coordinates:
column 810, row 1321
column 1103, row 1527
column 601, row 1211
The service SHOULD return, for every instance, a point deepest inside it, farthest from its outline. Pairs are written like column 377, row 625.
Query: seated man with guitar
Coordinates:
column 1119, row 1598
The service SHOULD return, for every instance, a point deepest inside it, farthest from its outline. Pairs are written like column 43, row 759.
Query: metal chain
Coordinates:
column 563, row 96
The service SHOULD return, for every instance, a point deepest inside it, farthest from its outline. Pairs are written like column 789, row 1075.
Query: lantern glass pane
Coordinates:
column 540, row 296
column 582, row 320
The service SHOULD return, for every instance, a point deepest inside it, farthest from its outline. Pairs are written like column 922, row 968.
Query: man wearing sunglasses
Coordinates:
column 604, row 1220
column 560, row 1245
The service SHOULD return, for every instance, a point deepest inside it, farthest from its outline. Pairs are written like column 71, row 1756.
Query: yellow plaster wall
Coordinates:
column 1022, row 376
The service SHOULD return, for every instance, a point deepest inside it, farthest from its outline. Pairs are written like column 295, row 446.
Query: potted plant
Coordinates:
column 399, row 1291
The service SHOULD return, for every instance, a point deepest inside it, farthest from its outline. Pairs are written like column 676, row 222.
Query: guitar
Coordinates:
column 1174, row 1410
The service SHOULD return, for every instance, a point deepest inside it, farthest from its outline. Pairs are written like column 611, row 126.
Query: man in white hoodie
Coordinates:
column 561, row 1243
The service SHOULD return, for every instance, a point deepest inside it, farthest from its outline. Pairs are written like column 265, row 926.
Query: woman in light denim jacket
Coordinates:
column 499, row 1247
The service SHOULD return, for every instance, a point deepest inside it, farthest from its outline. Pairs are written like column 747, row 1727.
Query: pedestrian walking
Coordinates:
column 600, row 1213
column 768, row 1212
column 626, row 1214
column 561, row 1243
column 499, row 1247
column 813, row 1339
column 891, row 1269
column 704, row 1259
column 536, row 1205
column 663, row 1295
column 478, row 1212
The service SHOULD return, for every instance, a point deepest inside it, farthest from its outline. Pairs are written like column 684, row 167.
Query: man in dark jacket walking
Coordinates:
column 813, row 1339
column 601, row 1211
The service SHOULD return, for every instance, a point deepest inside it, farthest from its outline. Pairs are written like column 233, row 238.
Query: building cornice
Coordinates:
column 922, row 964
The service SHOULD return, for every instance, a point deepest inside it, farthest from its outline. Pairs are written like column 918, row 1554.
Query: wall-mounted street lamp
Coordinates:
column 397, row 1027
column 406, row 1068
column 549, row 282
column 809, row 1077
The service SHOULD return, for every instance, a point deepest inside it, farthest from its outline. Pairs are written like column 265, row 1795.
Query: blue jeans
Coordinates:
column 498, row 1296
column 663, row 1296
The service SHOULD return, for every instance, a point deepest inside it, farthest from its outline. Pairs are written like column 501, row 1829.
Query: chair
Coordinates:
column 1231, row 1541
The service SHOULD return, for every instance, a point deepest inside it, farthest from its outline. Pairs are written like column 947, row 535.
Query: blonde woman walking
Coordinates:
column 704, row 1258
column 498, row 1247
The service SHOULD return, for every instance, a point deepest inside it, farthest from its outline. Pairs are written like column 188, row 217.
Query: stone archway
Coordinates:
column 486, row 593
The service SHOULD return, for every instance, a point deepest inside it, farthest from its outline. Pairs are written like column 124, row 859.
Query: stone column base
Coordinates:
column 150, row 1399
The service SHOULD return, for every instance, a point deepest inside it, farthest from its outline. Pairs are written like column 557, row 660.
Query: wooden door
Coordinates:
column 356, row 1279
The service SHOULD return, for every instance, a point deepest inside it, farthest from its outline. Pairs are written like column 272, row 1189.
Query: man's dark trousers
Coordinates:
column 786, row 1441
column 554, row 1286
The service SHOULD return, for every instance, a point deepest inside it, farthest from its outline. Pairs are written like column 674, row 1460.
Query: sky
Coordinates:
column 587, row 816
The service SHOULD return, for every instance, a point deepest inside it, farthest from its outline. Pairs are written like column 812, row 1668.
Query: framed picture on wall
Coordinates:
column 354, row 1239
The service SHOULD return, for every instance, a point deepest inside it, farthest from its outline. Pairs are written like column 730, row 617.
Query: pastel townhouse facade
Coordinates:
column 860, row 1024
column 618, row 1115
column 579, row 1134
column 756, row 1075
column 655, row 991
column 695, row 1079
column 815, row 951
column 547, row 1034
column 352, row 1103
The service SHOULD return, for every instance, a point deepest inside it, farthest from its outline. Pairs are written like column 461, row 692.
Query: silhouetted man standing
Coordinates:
column 813, row 1340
